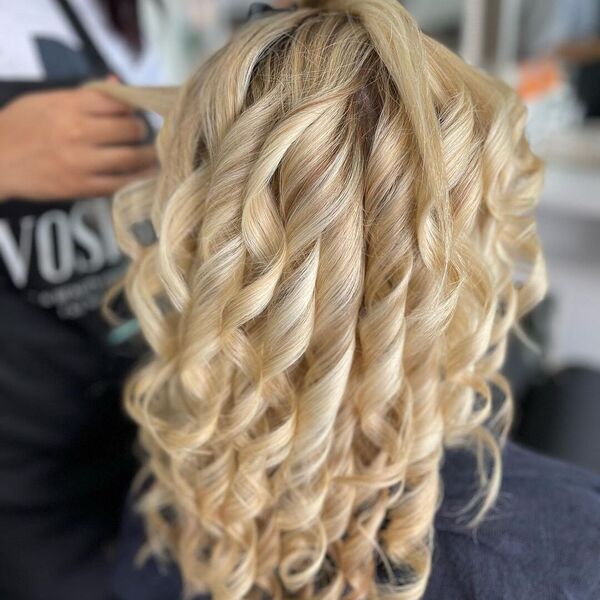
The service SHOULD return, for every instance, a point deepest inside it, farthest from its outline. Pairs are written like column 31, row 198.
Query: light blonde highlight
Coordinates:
column 341, row 213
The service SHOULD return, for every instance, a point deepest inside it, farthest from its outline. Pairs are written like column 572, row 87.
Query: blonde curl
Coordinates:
column 345, row 237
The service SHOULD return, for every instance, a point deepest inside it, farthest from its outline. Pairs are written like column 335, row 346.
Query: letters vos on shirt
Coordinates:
column 63, row 243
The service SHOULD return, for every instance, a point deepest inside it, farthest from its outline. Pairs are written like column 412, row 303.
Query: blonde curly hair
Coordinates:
column 345, row 236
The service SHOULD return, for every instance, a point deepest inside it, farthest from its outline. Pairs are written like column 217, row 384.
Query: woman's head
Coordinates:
column 345, row 236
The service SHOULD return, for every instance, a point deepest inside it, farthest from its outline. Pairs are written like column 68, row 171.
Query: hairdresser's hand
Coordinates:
column 70, row 144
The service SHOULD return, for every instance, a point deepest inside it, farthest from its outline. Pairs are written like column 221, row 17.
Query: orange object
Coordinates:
column 538, row 78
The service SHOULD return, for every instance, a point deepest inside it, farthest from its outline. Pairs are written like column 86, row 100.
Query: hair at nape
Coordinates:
column 345, row 237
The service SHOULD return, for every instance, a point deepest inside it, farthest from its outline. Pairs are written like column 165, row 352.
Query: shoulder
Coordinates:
column 134, row 578
column 541, row 539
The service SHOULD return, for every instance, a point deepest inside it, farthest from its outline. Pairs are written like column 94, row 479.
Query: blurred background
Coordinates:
column 549, row 50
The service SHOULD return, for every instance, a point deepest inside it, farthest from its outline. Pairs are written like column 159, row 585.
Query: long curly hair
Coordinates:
column 345, row 235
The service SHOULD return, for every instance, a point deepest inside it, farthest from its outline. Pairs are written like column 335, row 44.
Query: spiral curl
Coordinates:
column 346, row 236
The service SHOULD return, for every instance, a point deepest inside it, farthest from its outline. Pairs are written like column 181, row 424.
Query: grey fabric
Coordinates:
column 541, row 540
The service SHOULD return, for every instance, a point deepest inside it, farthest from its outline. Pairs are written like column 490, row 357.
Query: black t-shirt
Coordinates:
column 541, row 540
column 65, row 443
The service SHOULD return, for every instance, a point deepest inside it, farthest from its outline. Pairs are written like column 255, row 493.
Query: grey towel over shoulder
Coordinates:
column 541, row 541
